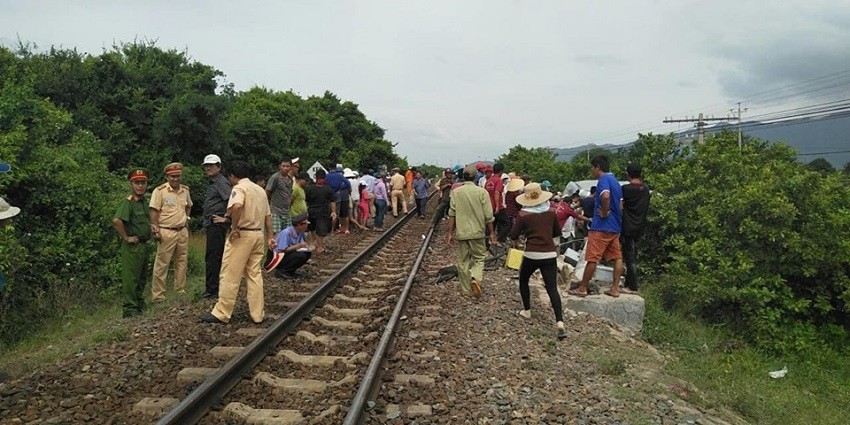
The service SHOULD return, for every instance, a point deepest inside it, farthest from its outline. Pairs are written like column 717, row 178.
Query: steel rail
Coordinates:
column 196, row 405
column 371, row 381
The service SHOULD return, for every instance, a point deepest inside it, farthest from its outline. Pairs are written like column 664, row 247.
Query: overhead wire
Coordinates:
column 811, row 89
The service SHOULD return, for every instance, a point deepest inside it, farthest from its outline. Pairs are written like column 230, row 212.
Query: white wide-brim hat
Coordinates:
column 7, row 211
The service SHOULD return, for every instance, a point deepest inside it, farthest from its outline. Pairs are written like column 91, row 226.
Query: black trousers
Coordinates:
column 442, row 210
column 216, row 233
column 503, row 225
column 421, row 204
column 629, row 247
column 292, row 261
column 549, row 269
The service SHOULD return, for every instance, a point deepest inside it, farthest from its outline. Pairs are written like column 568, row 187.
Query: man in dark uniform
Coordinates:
column 215, row 222
column 133, row 225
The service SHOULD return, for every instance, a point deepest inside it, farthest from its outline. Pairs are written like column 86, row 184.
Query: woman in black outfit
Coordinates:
column 540, row 226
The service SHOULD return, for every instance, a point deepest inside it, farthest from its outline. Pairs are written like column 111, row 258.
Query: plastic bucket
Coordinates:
column 514, row 259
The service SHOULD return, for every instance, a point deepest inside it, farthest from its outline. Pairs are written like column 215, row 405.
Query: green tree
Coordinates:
column 150, row 106
column 756, row 240
column 578, row 168
column 538, row 163
column 656, row 154
column 821, row 165
column 65, row 249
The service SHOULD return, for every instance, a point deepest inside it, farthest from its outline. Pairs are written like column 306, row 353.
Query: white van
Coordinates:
column 583, row 187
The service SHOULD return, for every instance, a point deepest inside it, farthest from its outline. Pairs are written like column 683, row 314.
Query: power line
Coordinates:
column 813, row 88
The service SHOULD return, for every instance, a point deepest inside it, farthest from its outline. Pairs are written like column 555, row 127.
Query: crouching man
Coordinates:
column 292, row 250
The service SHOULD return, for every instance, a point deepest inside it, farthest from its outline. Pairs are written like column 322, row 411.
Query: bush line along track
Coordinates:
column 219, row 384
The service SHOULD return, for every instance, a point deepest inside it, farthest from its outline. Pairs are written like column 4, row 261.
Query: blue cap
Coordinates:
column 5, row 168
column 545, row 183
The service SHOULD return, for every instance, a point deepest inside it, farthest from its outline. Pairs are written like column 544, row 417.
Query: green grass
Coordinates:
column 732, row 374
column 82, row 326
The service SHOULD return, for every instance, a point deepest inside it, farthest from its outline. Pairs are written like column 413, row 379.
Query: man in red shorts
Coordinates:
column 603, row 240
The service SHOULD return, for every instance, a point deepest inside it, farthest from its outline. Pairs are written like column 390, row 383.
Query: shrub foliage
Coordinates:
column 72, row 125
column 763, row 241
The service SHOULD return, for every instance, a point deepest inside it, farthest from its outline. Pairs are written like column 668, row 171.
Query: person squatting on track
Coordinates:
column 132, row 223
column 170, row 207
column 250, row 217
column 539, row 225
column 291, row 250
column 215, row 222
column 603, row 240
column 470, row 213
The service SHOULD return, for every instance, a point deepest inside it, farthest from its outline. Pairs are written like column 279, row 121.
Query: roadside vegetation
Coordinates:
column 747, row 265
column 73, row 125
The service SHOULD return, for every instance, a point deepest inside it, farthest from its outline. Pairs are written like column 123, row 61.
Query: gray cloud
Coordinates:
column 600, row 60
column 781, row 63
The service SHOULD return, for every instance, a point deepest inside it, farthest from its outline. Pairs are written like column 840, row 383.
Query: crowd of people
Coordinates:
column 252, row 229
column 483, row 204
column 271, row 225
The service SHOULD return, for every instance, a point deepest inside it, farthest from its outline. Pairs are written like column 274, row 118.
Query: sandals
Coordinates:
column 611, row 294
column 476, row 288
column 562, row 333
column 576, row 293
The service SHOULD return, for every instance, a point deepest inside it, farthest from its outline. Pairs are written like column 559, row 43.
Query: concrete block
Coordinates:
column 251, row 331
column 327, row 339
column 338, row 324
column 627, row 310
column 222, row 351
column 155, row 406
column 241, row 413
column 195, row 374
column 403, row 378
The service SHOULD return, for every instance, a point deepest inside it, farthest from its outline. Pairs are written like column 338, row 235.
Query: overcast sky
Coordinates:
column 457, row 81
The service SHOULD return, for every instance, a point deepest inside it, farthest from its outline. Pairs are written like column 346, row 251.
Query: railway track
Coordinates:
column 317, row 361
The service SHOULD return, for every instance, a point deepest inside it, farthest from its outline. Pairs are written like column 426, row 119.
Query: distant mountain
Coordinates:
column 566, row 154
column 827, row 138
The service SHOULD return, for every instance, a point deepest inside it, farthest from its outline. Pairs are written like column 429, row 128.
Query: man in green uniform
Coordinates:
column 133, row 225
column 470, row 213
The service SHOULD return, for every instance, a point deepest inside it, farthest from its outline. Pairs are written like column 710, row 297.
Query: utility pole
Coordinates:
column 700, row 123
column 738, row 116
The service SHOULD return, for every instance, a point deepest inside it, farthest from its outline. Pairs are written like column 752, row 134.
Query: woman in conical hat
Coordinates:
column 539, row 226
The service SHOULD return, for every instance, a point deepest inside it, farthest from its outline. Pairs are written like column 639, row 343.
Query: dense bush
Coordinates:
column 764, row 243
column 72, row 125
column 58, row 248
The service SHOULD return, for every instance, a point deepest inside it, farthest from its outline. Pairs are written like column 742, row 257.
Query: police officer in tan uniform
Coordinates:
column 397, row 185
column 169, row 213
column 249, row 212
